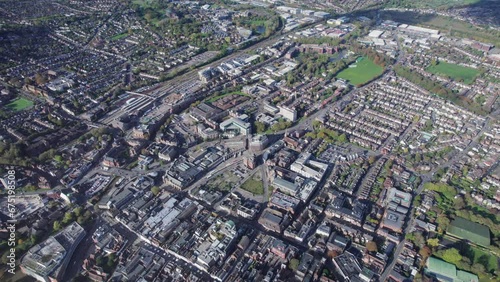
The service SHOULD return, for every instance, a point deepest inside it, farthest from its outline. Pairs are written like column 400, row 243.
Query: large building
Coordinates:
column 465, row 229
column 181, row 173
column 235, row 126
column 309, row 168
column 286, row 186
column 273, row 220
column 348, row 209
column 443, row 271
column 288, row 113
column 399, row 197
column 393, row 220
column 259, row 142
column 48, row 260
column 284, row 202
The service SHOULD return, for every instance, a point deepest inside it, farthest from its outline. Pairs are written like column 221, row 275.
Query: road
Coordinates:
column 265, row 181
column 81, row 252
column 179, row 261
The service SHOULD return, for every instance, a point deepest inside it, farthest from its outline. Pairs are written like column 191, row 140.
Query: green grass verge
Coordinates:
column 456, row 72
column 119, row 36
column 361, row 72
column 19, row 104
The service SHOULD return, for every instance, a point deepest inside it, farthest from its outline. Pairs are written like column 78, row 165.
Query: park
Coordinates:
column 454, row 71
column 361, row 71
column 19, row 104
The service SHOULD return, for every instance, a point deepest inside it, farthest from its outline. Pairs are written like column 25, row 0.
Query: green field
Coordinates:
column 253, row 186
column 360, row 72
column 19, row 104
column 455, row 72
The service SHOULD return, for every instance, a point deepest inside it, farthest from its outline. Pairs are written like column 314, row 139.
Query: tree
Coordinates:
column 80, row 220
column 484, row 260
column 371, row 246
column 371, row 160
column 40, row 79
column 99, row 261
column 77, row 211
column 459, row 203
column 418, row 239
column 478, row 268
column 294, row 264
column 443, row 222
column 425, row 252
column 56, row 225
column 68, row 217
column 260, row 127
column 111, row 260
column 155, row 190
column 452, row 256
column 342, row 138
column 433, row 242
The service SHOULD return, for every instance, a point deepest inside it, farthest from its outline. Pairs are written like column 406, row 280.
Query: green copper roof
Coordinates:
column 440, row 268
column 466, row 229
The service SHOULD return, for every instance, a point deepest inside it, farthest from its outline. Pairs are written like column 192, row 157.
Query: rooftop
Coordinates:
column 466, row 229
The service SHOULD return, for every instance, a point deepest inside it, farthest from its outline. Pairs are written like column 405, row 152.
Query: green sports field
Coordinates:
column 19, row 104
column 361, row 71
column 456, row 72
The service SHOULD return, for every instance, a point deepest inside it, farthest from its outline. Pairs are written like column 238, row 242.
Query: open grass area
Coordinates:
column 19, row 104
column 456, row 72
column 213, row 99
column 361, row 71
column 119, row 36
column 253, row 186
column 482, row 257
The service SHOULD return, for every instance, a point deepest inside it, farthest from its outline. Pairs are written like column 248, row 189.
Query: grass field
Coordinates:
column 19, row 104
column 360, row 72
column 456, row 72
column 253, row 186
